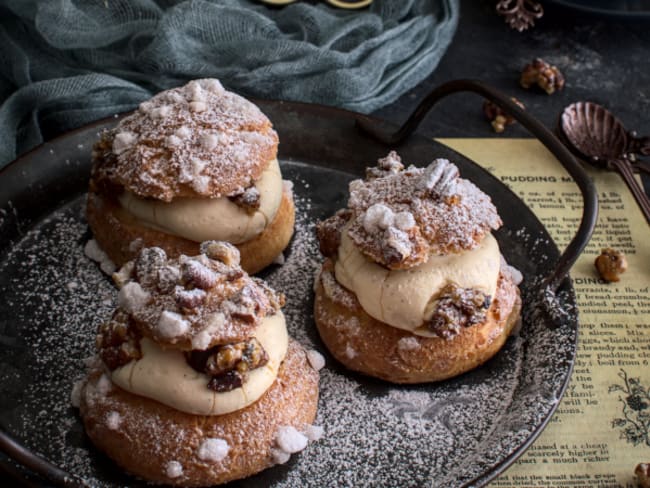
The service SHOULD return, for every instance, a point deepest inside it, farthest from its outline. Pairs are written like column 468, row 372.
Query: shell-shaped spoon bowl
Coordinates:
column 594, row 132
column 601, row 139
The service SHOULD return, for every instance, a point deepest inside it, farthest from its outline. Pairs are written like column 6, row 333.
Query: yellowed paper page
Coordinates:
column 601, row 429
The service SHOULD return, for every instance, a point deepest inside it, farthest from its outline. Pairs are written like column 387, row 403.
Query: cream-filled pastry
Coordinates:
column 197, row 381
column 192, row 164
column 414, row 287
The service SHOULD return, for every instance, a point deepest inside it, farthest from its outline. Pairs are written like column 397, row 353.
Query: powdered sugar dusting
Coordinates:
column 377, row 434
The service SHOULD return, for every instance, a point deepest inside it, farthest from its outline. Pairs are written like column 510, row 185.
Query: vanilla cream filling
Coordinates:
column 164, row 375
column 204, row 219
column 405, row 299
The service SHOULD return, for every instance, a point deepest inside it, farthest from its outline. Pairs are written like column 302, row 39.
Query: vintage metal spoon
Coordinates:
column 601, row 139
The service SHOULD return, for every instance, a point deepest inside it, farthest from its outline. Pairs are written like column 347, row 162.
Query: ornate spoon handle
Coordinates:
column 624, row 168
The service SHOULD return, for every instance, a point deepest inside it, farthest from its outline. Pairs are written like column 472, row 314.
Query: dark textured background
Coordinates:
column 604, row 60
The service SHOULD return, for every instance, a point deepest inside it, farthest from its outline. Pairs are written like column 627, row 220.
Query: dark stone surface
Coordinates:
column 604, row 60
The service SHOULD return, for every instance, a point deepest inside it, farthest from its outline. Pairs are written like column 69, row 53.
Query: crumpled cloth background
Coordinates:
column 64, row 63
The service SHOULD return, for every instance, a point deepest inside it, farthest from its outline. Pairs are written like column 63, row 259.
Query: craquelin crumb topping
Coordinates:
column 113, row 420
column 195, row 140
column 398, row 217
column 192, row 302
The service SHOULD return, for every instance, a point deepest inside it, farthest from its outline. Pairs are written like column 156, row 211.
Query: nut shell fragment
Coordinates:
column 497, row 116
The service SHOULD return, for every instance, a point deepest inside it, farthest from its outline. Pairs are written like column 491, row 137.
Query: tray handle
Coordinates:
column 546, row 137
column 37, row 464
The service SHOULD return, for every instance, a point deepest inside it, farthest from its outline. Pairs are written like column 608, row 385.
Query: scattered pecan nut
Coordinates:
column 611, row 264
column 540, row 73
column 497, row 116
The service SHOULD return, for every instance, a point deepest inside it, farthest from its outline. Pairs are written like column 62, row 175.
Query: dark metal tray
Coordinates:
column 463, row 431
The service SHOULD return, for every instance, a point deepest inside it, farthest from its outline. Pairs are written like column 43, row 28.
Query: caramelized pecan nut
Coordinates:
column 228, row 364
column 457, row 308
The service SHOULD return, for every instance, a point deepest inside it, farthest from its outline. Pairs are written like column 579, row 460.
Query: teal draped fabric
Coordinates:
column 64, row 63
